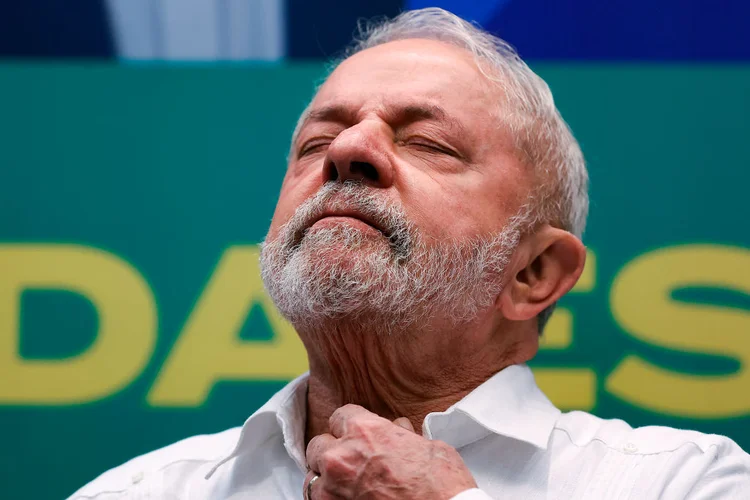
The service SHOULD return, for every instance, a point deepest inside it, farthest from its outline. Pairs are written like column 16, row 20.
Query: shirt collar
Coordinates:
column 508, row 404
column 285, row 413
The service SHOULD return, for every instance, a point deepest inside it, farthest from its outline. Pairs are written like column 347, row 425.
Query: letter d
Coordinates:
column 123, row 344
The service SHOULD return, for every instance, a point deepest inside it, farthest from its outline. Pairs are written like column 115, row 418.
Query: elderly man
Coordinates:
column 429, row 220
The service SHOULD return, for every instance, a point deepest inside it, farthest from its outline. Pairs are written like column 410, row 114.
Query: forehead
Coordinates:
column 406, row 71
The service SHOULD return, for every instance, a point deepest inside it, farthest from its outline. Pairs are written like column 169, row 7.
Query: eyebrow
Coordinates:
column 334, row 113
column 400, row 116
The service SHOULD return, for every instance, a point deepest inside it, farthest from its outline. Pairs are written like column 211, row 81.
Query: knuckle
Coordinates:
column 357, row 425
column 337, row 417
column 329, row 459
column 365, row 426
column 334, row 464
column 312, row 444
column 313, row 447
column 343, row 413
column 343, row 410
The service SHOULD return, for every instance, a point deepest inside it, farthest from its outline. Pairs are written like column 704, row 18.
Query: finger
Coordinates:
column 316, row 448
column 340, row 417
column 404, row 423
column 309, row 490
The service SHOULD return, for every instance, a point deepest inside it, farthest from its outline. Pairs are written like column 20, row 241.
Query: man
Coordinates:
column 428, row 222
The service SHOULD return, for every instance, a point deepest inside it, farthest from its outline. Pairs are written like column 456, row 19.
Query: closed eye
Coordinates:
column 431, row 147
column 313, row 146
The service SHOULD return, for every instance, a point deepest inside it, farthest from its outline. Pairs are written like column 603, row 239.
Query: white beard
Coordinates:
column 380, row 283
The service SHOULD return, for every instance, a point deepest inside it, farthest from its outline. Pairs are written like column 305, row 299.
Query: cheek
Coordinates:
column 295, row 190
column 457, row 207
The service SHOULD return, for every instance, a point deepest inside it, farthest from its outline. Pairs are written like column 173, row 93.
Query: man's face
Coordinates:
column 401, row 160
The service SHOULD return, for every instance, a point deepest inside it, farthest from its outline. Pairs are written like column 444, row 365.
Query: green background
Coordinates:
column 168, row 166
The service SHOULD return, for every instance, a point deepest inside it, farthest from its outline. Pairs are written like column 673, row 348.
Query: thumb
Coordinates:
column 405, row 423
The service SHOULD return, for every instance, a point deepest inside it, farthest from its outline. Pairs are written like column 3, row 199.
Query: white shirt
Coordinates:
column 514, row 441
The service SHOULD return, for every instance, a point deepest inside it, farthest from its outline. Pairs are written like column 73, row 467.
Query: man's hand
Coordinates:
column 366, row 456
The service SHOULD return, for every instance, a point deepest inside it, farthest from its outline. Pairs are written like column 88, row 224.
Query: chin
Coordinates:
column 332, row 283
column 322, row 252
column 342, row 272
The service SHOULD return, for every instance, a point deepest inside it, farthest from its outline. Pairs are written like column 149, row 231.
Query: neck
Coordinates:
column 404, row 374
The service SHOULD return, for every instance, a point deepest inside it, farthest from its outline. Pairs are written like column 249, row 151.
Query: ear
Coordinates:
column 545, row 266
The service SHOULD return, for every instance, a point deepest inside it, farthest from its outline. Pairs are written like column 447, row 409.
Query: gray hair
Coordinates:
column 543, row 140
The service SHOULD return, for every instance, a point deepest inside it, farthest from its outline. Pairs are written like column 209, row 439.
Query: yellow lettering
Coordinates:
column 209, row 349
column 568, row 388
column 558, row 334
column 123, row 344
column 641, row 304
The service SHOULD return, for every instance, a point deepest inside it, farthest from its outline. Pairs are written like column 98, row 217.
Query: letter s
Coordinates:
column 642, row 304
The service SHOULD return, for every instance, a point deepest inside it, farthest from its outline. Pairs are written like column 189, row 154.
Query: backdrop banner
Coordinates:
column 133, row 199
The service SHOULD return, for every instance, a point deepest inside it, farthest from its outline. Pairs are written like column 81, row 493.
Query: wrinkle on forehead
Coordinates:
column 394, row 113
column 418, row 72
column 386, row 79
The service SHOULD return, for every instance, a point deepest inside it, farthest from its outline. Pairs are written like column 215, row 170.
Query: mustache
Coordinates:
column 352, row 196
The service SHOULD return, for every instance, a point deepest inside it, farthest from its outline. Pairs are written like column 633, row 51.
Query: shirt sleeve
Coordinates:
column 472, row 494
column 727, row 477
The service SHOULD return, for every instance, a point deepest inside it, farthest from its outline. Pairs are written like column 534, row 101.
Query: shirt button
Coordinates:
column 137, row 478
column 630, row 448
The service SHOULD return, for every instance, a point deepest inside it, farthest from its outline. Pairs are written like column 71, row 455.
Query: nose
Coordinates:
column 360, row 153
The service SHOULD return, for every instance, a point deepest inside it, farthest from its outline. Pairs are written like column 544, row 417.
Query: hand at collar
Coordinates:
column 365, row 455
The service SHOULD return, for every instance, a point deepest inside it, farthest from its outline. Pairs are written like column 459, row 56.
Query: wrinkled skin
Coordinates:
column 368, row 457
column 416, row 122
